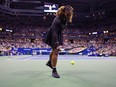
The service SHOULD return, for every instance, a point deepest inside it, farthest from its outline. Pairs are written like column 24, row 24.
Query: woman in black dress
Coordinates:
column 54, row 35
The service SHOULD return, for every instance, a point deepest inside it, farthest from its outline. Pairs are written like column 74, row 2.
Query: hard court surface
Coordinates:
column 31, row 71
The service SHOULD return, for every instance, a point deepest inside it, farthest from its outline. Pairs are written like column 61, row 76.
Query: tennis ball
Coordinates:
column 72, row 62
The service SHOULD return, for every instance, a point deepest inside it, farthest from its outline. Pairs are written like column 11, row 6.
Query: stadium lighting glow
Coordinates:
column 94, row 32
column 105, row 32
column 0, row 29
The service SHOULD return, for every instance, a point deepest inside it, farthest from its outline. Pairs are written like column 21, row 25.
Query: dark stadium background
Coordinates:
column 23, row 24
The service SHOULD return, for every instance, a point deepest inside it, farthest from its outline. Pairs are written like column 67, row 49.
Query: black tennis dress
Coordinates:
column 54, row 35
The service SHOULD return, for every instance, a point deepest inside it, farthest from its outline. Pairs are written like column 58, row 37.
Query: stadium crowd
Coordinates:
column 29, row 36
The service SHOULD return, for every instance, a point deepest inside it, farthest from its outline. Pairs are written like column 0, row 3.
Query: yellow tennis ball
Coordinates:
column 72, row 62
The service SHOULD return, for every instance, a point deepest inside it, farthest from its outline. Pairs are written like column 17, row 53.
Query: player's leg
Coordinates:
column 54, row 57
column 50, row 56
column 49, row 62
column 54, row 63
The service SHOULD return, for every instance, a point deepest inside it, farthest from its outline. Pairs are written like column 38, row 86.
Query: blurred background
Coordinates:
column 23, row 24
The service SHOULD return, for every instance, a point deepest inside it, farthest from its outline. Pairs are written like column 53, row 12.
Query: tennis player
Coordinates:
column 54, row 35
